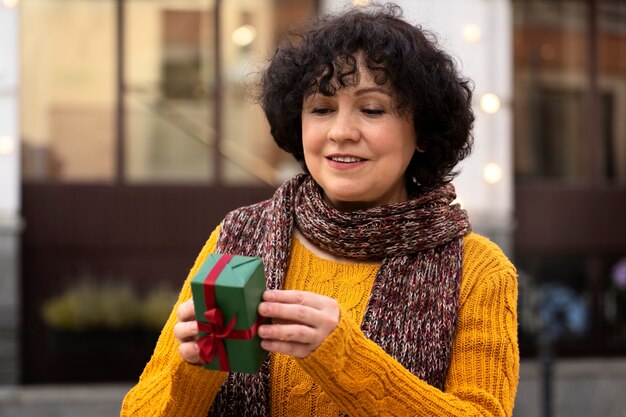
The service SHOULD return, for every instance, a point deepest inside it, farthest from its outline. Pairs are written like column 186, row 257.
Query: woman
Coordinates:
column 382, row 300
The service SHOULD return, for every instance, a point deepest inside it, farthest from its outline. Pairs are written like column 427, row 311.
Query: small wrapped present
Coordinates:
column 227, row 290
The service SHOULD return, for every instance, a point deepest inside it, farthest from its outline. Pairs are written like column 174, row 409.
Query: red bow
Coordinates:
column 213, row 342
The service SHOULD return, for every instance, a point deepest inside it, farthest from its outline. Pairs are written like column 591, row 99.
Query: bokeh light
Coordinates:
column 492, row 173
column 490, row 103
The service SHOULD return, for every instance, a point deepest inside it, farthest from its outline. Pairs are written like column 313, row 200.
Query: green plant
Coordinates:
column 92, row 305
column 157, row 307
column 118, row 307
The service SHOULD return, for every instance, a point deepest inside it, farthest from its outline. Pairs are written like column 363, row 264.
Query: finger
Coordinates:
column 289, row 333
column 190, row 352
column 292, row 313
column 185, row 331
column 310, row 299
column 287, row 348
column 299, row 314
column 186, row 311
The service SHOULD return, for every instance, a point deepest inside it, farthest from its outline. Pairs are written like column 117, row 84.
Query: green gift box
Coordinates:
column 227, row 290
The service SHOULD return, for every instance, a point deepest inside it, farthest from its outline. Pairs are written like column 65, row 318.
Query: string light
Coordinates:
column 244, row 35
column 7, row 145
column 492, row 173
column 490, row 103
column 472, row 33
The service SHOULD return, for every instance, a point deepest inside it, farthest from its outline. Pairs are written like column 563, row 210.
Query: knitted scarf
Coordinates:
column 413, row 306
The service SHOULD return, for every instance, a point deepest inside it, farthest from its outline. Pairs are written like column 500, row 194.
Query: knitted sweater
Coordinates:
column 349, row 373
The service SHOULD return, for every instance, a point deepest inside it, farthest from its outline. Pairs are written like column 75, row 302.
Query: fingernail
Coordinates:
column 264, row 309
column 269, row 295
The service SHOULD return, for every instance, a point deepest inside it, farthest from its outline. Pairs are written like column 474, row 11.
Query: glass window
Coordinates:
column 550, row 82
column 169, row 103
column 68, row 90
column 251, row 31
column 578, row 303
column 570, row 89
column 181, row 126
column 554, row 303
column 612, row 84
column 189, row 112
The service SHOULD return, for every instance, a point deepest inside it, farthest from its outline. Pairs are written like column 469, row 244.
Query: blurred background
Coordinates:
column 128, row 128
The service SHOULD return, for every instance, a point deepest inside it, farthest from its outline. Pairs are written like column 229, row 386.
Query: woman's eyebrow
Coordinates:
column 366, row 90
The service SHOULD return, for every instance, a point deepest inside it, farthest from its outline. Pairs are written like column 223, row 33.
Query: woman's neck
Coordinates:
column 326, row 255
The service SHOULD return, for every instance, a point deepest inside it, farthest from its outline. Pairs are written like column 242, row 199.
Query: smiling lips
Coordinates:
column 344, row 161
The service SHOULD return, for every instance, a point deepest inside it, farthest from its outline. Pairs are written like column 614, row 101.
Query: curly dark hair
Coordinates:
column 425, row 80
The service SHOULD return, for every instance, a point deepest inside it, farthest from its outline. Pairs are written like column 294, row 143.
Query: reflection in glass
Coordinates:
column 181, row 114
column 250, row 153
column 68, row 90
column 169, row 71
column 188, row 71
column 570, row 90
column 612, row 85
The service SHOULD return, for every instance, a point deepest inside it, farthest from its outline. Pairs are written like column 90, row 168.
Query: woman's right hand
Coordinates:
column 186, row 332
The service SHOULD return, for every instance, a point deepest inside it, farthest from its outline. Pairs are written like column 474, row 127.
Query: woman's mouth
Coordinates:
column 345, row 159
column 345, row 162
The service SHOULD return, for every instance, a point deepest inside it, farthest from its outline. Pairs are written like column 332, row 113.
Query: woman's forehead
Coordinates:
column 349, row 74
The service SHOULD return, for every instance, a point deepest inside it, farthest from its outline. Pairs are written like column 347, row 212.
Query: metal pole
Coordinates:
column 545, row 353
column 217, row 95
column 594, row 142
column 120, row 162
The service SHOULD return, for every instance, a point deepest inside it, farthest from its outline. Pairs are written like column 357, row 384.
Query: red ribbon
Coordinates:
column 213, row 342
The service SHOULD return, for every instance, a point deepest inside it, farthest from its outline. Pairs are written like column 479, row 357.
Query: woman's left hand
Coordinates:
column 301, row 321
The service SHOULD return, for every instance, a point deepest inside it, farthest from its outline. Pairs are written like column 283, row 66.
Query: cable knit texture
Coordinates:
column 413, row 306
column 481, row 381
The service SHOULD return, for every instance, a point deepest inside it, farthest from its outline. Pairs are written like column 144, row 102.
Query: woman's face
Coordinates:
column 356, row 145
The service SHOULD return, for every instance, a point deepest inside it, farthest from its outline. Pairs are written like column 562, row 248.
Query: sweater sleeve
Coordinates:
column 363, row 380
column 169, row 386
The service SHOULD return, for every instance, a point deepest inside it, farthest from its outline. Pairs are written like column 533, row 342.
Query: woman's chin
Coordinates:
column 349, row 202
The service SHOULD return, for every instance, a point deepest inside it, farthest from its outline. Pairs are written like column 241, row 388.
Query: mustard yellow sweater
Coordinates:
column 349, row 373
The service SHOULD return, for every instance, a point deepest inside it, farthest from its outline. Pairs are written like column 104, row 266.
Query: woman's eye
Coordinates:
column 320, row 110
column 373, row 112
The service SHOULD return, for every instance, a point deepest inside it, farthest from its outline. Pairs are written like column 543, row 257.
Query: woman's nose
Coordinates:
column 344, row 127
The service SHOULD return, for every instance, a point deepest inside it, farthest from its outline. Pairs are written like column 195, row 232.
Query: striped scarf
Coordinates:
column 413, row 306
